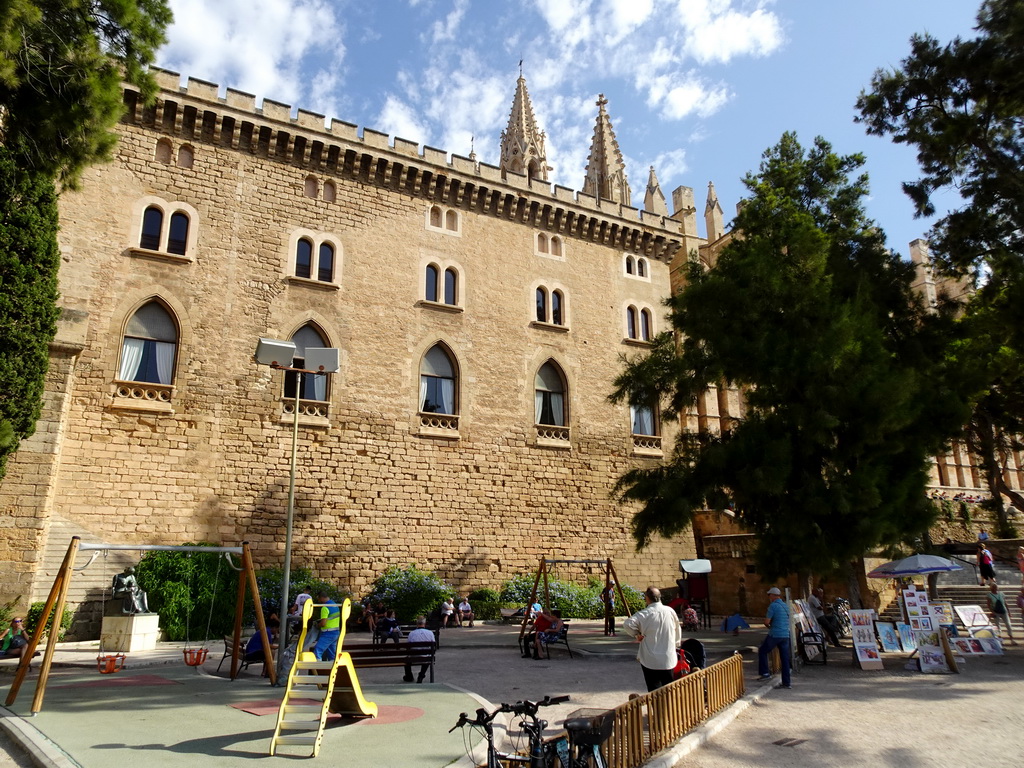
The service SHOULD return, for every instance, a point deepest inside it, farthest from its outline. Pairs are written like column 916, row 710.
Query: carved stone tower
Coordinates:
column 522, row 145
column 713, row 215
column 606, row 172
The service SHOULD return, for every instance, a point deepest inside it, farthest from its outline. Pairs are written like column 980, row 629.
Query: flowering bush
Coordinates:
column 410, row 591
column 269, row 582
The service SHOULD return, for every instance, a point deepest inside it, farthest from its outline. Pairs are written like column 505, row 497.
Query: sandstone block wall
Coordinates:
column 373, row 488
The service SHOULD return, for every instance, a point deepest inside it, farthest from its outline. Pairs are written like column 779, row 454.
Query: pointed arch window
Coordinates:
column 437, row 382
column 549, row 396
column 643, row 420
column 311, row 386
column 149, row 347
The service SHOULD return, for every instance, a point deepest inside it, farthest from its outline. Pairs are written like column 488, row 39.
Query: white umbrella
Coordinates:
column 916, row 565
column 884, row 571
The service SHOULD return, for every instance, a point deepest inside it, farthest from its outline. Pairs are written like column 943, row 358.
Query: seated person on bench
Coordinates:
column 465, row 612
column 419, row 635
column 388, row 628
column 254, row 647
column 546, row 629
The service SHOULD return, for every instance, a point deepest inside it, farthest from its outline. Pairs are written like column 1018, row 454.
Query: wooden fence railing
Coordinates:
column 649, row 723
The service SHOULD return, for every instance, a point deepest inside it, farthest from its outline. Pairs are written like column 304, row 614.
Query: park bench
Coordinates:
column 526, row 641
column 367, row 656
column 512, row 615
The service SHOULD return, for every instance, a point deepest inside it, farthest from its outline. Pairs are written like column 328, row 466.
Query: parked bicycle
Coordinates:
column 841, row 614
column 542, row 754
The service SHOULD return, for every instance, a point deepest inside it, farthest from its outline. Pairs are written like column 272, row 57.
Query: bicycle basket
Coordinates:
column 590, row 726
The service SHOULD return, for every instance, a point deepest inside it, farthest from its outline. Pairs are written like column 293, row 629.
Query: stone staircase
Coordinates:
column 88, row 585
column 962, row 588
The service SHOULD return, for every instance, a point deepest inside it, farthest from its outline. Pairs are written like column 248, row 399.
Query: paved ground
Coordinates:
column 168, row 714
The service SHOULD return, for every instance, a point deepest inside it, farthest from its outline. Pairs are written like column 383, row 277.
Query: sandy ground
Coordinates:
column 841, row 716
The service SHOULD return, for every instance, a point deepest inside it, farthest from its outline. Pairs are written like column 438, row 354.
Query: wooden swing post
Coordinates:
column 56, row 598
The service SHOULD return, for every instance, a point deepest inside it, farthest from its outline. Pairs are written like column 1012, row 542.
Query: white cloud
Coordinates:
column 261, row 46
column 679, row 96
column 400, row 119
column 716, row 32
column 446, row 29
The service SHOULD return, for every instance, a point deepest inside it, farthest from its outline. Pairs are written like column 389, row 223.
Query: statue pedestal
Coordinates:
column 127, row 634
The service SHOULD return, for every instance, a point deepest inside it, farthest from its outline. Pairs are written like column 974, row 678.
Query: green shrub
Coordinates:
column 485, row 610
column 484, row 595
column 410, row 591
column 35, row 612
column 190, row 591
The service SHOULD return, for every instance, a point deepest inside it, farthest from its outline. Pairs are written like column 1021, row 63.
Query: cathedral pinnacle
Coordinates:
column 654, row 200
column 522, row 144
column 606, row 171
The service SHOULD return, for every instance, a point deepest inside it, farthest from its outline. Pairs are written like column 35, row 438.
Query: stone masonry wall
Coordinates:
column 372, row 489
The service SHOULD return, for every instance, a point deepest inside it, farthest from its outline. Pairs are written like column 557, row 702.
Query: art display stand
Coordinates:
column 127, row 634
column 865, row 647
column 928, row 624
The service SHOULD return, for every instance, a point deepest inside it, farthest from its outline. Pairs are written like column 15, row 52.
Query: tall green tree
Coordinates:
column 961, row 105
column 813, row 317
column 61, row 67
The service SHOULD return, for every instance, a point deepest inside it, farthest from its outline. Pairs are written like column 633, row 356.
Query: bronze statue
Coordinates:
column 126, row 587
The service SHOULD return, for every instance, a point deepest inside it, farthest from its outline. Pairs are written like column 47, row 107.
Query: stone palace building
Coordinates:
column 481, row 315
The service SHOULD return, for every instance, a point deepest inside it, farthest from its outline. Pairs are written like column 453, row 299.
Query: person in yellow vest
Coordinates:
column 330, row 628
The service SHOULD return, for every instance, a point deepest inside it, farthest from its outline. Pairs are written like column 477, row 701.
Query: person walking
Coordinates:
column 657, row 630
column 777, row 621
column 986, row 568
column 997, row 608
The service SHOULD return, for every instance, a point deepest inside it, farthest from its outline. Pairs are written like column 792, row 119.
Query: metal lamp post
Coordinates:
column 319, row 361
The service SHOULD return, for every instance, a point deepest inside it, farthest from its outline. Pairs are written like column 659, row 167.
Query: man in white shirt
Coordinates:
column 419, row 635
column 656, row 627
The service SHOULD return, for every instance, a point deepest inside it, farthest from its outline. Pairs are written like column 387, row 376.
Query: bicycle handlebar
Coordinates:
column 527, row 708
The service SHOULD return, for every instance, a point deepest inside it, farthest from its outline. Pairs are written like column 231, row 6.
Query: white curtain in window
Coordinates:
column 538, row 407
column 643, row 420
column 131, row 357
column 557, row 411
column 164, row 361
column 319, row 387
column 423, row 393
column 447, row 396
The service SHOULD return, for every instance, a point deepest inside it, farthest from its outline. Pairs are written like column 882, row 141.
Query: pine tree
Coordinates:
column 813, row 318
column 962, row 106
column 61, row 67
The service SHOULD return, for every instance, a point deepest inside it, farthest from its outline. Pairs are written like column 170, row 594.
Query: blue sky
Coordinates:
column 696, row 88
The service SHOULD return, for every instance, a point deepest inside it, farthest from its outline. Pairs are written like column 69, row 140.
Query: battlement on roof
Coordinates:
column 314, row 127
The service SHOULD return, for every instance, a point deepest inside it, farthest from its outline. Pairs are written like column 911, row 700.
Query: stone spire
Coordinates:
column 654, row 200
column 713, row 215
column 522, row 145
column 606, row 172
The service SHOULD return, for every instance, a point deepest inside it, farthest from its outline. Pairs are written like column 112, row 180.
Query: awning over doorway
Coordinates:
column 695, row 566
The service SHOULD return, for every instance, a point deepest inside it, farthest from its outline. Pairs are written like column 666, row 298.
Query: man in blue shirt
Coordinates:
column 777, row 621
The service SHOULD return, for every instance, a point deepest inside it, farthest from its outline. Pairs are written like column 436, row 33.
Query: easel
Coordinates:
column 542, row 572
column 58, row 594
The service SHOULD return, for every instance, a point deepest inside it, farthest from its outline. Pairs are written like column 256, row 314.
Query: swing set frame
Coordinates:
column 543, row 571
column 54, row 606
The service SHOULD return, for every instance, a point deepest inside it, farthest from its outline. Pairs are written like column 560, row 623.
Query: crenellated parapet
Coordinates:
column 196, row 113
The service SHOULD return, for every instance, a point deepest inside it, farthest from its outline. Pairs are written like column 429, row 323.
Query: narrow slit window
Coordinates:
column 152, row 224
column 631, row 322
column 645, row 325
column 556, row 307
column 325, row 264
column 304, row 258
column 177, row 237
column 451, row 284
column 542, row 305
column 431, row 283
